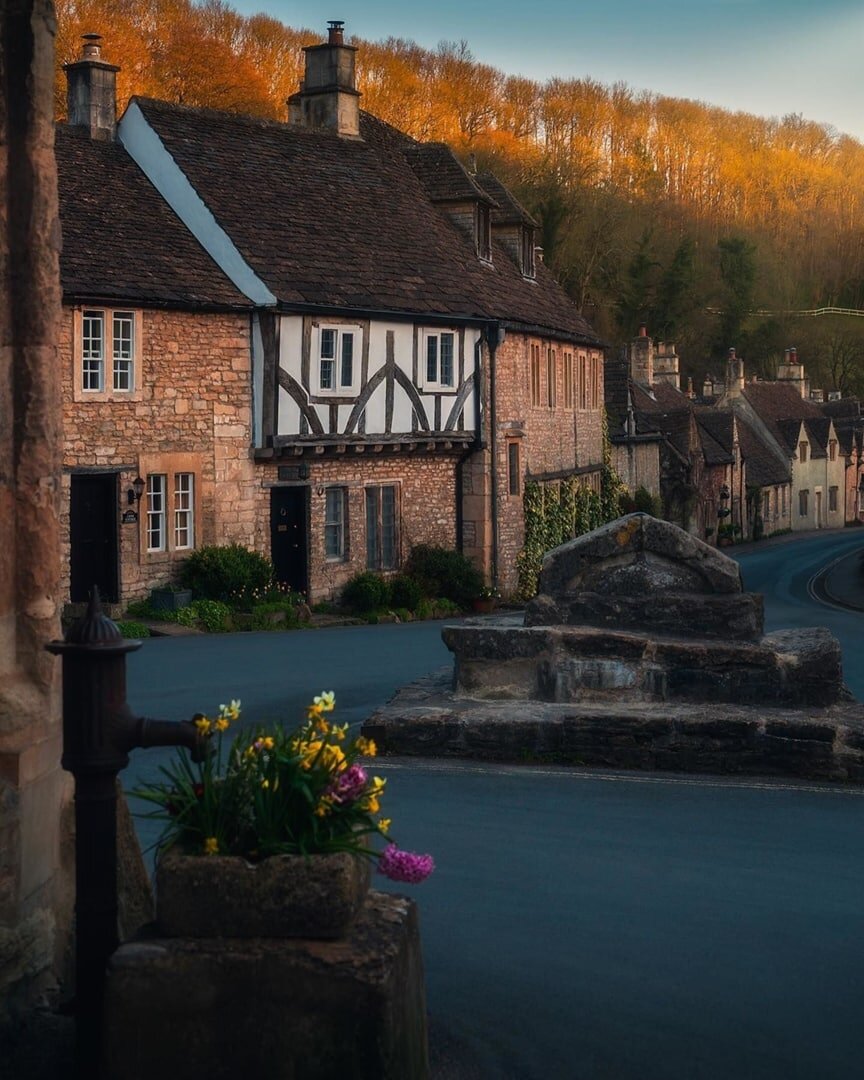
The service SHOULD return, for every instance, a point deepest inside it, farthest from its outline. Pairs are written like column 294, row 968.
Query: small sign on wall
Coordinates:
column 130, row 517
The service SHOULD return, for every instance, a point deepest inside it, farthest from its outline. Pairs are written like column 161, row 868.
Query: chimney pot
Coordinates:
column 643, row 330
column 334, row 31
column 92, row 48
column 732, row 353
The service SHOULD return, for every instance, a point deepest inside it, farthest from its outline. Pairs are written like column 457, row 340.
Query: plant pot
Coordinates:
column 483, row 605
column 285, row 896
column 170, row 599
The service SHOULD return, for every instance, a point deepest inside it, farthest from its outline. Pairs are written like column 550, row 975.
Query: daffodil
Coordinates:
column 383, row 825
column 211, row 846
column 366, row 746
column 203, row 725
column 326, row 700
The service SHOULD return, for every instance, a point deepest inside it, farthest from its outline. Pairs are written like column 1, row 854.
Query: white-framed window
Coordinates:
column 438, row 360
column 335, row 518
column 157, row 490
column 484, row 232
column 336, row 363
column 107, row 344
column 184, row 510
column 803, row 502
column 382, row 537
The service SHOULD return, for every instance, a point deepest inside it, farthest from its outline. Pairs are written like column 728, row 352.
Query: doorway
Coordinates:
column 93, row 536
column 289, row 547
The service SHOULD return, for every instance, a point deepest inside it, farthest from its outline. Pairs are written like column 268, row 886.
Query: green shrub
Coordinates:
column 131, row 629
column 213, row 615
column 646, row 503
column 139, row 609
column 231, row 574
column 405, row 592
column 441, row 572
column 366, row 592
column 266, row 616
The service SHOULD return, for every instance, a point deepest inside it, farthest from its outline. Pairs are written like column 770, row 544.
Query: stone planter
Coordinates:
column 170, row 599
column 285, row 896
column 483, row 605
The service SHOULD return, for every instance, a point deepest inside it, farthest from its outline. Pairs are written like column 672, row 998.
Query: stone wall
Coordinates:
column 191, row 411
column 426, row 508
column 35, row 895
column 638, row 465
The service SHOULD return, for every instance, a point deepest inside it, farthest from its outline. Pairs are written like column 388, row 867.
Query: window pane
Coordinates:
column 447, row 359
column 372, row 528
column 327, row 367
column 432, row 359
column 93, row 349
column 184, row 510
column 388, row 528
column 334, row 532
column 328, row 344
column 513, row 467
column 347, row 359
column 122, row 350
column 156, row 487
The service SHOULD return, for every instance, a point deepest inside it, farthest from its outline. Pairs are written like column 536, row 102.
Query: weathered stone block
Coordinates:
column 284, row 1009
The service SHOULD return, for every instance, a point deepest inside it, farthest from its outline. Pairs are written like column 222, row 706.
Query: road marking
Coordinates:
column 577, row 773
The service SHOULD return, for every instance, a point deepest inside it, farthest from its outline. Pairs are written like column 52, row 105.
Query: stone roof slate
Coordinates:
column 764, row 467
column 121, row 241
column 443, row 176
column 347, row 223
column 509, row 211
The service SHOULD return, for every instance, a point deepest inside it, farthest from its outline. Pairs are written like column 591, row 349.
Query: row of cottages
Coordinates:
column 744, row 460
column 321, row 339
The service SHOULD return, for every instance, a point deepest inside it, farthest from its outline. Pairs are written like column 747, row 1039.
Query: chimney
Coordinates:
column 91, row 91
column 734, row 375
column 328, row 97
column 792, row 371
column 642, row 358
column 666, row 366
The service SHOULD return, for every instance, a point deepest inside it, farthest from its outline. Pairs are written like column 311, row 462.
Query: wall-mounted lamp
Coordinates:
column 133, row 495
column 724, row 495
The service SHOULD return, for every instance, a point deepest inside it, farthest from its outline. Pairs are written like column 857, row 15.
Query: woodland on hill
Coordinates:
column 708, row 225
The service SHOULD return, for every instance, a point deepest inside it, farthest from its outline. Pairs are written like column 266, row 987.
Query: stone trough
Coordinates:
column 641, row 650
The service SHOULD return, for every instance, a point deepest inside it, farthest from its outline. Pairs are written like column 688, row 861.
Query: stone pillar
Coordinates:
column 34, row 909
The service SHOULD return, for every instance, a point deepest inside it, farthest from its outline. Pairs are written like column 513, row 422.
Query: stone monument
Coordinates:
column 641, row 650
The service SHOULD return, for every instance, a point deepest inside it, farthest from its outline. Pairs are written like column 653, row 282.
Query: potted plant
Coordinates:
column 281, row 825
column 485, row 600
column 170, row 598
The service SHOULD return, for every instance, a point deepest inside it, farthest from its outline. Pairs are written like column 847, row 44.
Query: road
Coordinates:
column 596, row 925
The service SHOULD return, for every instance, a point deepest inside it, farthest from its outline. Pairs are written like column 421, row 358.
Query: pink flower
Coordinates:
column 348, row 785
column 404, row 865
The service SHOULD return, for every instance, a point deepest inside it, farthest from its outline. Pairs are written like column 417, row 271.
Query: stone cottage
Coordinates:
column 413, row 360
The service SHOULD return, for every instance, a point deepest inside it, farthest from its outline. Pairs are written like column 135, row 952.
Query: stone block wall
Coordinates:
column 192, row 411
column 426, row 507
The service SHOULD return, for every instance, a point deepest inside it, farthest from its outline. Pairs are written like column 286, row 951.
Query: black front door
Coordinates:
column 93, row 536
column 288, row 535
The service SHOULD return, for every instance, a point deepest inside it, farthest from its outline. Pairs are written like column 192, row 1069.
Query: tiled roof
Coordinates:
column 841, row 407
column 775, row 401
column 819, row 430
column 347, row 223
column 443, row 175
column 121, row 240
column 764, row 467
column 716, row 430
column 789, row 432
column 509, row 211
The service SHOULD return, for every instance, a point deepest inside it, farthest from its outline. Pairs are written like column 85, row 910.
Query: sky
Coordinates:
column 769, row 57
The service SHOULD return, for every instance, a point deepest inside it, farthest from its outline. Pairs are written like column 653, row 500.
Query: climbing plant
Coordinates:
column 557, row 511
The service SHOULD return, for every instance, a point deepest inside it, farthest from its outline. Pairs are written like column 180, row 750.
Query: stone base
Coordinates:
column 426, row 719
column 286, row 1010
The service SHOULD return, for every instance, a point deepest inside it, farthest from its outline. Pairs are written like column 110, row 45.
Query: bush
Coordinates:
column 405, row 592
column 231, row 574
column 131, row 629
column 139, row 609
column 445, row 573
column 646, row 503
column 366, row 592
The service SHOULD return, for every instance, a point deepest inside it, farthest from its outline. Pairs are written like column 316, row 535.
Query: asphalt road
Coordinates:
column 596, row 925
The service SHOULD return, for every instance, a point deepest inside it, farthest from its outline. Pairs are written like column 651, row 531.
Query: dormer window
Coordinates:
column 802, row 452
column 484, row 232
column 527, row 253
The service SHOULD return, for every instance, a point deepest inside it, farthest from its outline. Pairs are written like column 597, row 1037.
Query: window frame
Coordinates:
column 435, row 384
column 802, row 452
column 833, row 500
column 568, row 380
column 535, row 380
column 804, row 502
column 157, row 515
column 528, row 253
column 112, row 359
column 483, row 227
column 338, row 521
column 551, row 377
column 373, row 496
column 180, row 511
column 514, row 467
column 340, row 388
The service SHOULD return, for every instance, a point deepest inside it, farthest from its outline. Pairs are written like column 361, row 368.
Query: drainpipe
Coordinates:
column 471, row 450
column 494, row 337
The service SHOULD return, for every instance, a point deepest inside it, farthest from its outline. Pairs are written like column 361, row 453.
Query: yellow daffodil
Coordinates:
column 326, row 700
column 366, row 746
column 340, row 732
column 313, row 712
column 384, row 825
column 203, row 725
column 211, row 846
column 265, row 784
column 231, row 711
column 222, row 724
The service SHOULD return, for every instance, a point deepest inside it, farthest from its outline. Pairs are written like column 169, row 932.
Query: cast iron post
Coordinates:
column 99, row 730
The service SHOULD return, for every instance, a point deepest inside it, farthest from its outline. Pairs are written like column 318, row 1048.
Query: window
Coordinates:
column 595, row 382
column 381, row 539
column 529, row 265
column 157, row 486
column 803, row 498
column 568, row 380
column 438, row 356
column 484, row 232
column 802, row 452
column 535, row 374
column 337, row 366
column 766, row 505
column 551, row 378
column 184, row 510
column 513, row 468
column 832, row 449
column 783, row 500
column 99, row 348
column 583, row 383
column 832, row 498
column 334, row 523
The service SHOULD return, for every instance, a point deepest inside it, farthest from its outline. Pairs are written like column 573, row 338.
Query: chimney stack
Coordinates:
column 328, row 97
column 91, row 91
column 792, row 371
column 734, row 375
column 642, row 358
